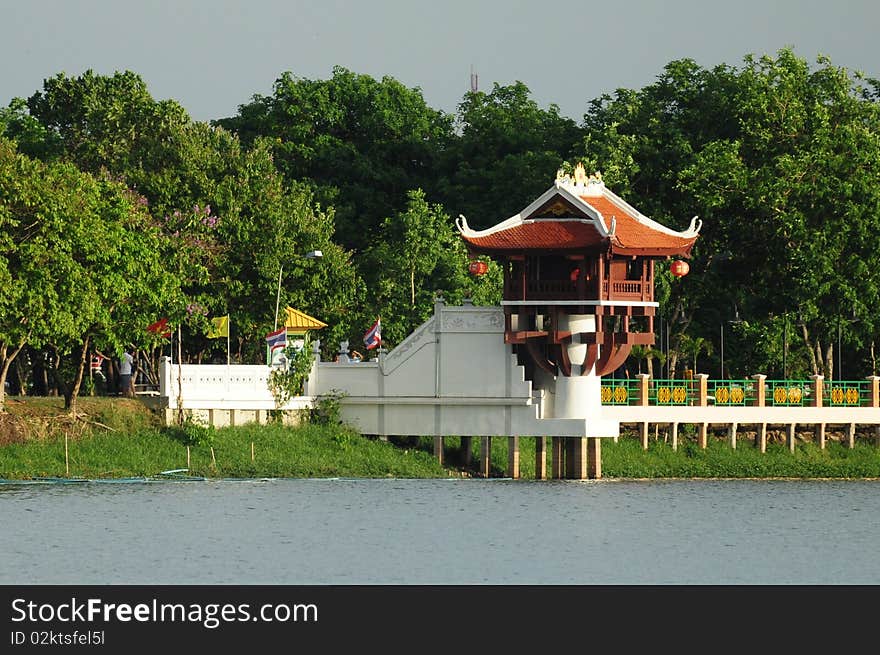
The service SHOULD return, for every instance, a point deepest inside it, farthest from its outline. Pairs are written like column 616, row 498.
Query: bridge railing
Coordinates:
column 755, row 391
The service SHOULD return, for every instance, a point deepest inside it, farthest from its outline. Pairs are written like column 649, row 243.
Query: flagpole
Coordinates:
column 227, row 339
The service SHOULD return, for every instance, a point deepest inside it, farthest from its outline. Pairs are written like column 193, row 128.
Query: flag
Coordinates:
column 219, row 327
column 277, row 339
column 160, row 328
column 373, row 337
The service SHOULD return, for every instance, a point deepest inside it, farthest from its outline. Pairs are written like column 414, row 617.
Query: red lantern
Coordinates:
column 478, row 267
column 679, row 268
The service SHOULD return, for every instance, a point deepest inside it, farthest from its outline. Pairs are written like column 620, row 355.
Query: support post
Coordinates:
column 874, row 391
column 820, row 435
column 642, row 400
column 556, row 458
column 438, row 449
column 579, row 459
column 675, row 436
column 851, row 435
column 485, row 456
column 513, row 457
column 702, row 389
column 790, row 439
column 702, row 435
column 594, row 458
column 540, row 458
column 760, row 386
column 762, row 437
column 818, row 390
column 731, row 435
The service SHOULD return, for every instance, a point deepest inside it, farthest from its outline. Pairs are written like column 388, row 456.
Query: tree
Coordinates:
column 505, row 153
column 361, row 143
column 85, row 264
column 418, row 257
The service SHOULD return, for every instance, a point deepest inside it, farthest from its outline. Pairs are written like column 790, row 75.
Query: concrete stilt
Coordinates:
column 820, row 435
column 466, row 451
column 762, row 437
column 702, row 434
column 851, row 435
column 569, row 459
column 485, row 456
column 579, row 458
column 594, row 458
column 513, row 457
column 557, row 458
column 438, row 449
column 540, row 458
column 731, row 435
column 877, row 436
column 789, row 439
column 643, row 433
column 675, row 436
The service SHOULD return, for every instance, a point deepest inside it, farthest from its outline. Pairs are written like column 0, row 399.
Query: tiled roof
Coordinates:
column 632, row 234
column 541, row 234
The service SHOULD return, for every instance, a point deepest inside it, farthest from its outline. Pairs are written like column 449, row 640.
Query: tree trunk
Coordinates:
column 813, row 361
column 4, row 369
column 412, row 286
column 829, row 360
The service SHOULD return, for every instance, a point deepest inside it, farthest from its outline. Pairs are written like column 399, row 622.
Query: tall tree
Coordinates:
column 361, row 143
column 505, row 153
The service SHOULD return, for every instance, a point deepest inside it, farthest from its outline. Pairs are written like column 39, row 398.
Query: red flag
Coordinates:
column 160, row 328
column 373, row 337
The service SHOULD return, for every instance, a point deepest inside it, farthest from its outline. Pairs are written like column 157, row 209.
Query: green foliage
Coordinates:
column 191, row 433
column 288, row 381
column 327, row 408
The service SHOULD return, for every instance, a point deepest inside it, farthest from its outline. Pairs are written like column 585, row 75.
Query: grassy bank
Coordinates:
column 120, row 438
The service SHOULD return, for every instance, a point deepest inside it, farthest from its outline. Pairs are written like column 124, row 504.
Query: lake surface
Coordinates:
column 441, row 532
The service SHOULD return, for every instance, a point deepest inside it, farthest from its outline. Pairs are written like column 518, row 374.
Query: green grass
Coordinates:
column 121, row 438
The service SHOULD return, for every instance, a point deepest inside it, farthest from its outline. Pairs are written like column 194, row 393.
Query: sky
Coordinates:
column 213, row 56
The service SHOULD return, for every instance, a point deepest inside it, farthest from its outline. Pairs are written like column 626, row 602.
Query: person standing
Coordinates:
column 126, row 369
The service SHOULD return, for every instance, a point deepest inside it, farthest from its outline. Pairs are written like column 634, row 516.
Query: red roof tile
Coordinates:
column 542, row 234
column 631, row 234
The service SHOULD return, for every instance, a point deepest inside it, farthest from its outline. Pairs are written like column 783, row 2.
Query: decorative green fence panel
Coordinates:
column 671, row 392
column 620, row 392
column 731, row 392
column 853, row 393
column 788, row 393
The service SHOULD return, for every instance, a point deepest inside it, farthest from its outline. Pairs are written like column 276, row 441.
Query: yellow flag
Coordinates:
column 219, row 327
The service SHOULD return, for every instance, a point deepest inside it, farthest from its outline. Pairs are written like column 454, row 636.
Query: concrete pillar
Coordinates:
column 642, row 400
column 851, row 435
column 820, row 435
column 731, row 435
column 760, row 386
column 540, row 458
column 594, row 458
column 675, row 436
column 790, row 440
column 702, row 434
column 466, row 451
column 235, row 418
column 485, row 456
column 557, row 458
column 438, row 449
column 762, row 437
column 702, row 389
column 818, row 390
column 513, row 457
column 877, row 435
column 874, row 391
column 579, row 459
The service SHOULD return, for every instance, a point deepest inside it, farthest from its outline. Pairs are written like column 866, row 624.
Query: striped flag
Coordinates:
column 277, row 339
column 373, row 337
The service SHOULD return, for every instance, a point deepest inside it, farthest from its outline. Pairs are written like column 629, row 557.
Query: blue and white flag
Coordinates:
column 373, row 337
column 277, row 339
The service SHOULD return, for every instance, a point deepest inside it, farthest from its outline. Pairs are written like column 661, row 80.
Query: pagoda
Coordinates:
column 578, row 293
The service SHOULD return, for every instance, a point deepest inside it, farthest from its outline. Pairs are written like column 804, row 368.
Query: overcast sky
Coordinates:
column 213, row 56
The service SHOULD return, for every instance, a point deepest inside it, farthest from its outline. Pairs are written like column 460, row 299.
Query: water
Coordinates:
column 441, row 532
